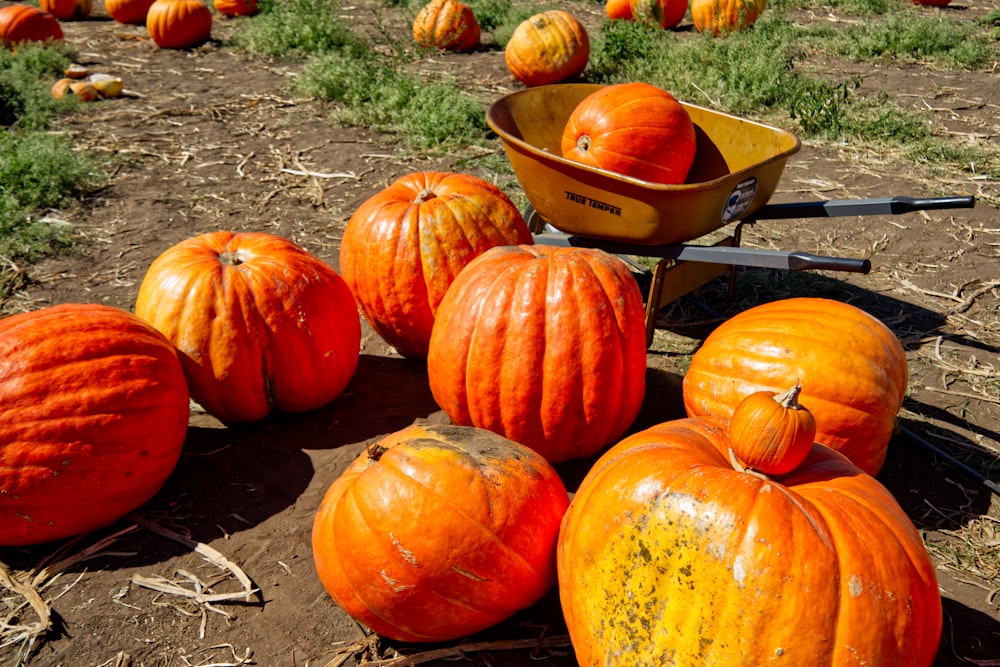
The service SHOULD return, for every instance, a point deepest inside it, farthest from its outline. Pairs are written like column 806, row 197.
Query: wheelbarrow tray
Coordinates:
column 736, row 169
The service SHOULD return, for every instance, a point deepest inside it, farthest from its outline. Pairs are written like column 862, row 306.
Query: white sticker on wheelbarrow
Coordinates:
column 739, row 199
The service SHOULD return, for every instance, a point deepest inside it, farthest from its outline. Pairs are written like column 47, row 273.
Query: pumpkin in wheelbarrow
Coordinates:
column 673, row 553
column 634, row 129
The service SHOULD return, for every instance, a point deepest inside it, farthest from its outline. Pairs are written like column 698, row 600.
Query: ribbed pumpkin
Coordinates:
column 93, row 415
column 403, row 247
column 179, row 24
column 262, row 325
column 775, row 433
column 236, row 7
column 446, row 24
column 25, row 23
column 543, row 345
column 437, row 532
column 67, row 10
column 722, row 16
column 852, row 367
column 669, row 555
column 547, row 48
column 659, row 13
column 634, row 129
column 618, row 9
column 129, row 12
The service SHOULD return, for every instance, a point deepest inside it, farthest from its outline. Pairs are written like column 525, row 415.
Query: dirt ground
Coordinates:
column 208, row 139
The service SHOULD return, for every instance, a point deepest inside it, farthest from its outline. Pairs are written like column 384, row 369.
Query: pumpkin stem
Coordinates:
column 583, row 143
column 790, row 399
column 425, row 195
column 739, row 467
column 375, row 452
column 230, row 258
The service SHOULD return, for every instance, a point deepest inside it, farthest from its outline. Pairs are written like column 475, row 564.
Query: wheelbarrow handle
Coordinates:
column 845, row 207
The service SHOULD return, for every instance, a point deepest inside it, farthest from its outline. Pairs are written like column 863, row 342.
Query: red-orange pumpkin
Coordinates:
column 668, row 555
column 772, row 432
column 129, row 12
column 660, row 13
column 722, row 16
column 67, row 10
column 179, row 24
column 852, row 367
column 262, row 325
column 25, row 23
column 403, row 247
column 547, row 48
column 437, row 532
column 236, row 7
column 543, row 345
column 635, row 129
column 446, row 24
column 618, row 9
column 93, row 416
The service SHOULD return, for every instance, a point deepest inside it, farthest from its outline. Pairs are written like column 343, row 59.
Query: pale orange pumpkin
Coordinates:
column 446, row 24
column 547, row 48
column 660, row 13
column 722, row 16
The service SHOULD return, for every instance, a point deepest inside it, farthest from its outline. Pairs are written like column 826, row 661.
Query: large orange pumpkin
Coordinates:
column 404, row 246
column 659, row 13
column 852, row 368
column 635, row 129
column 722, row 16
column 93, row 415
column 129, row 12
column 446, row 24
column 437, row 532
column 26, row 23
column 262, row 325
column 670, row 555
column 179, row 24
column 67, row 10
column 543, row 345
column 547, row 48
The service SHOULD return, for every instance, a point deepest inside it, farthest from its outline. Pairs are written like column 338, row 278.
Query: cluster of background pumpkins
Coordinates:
column 694, row 539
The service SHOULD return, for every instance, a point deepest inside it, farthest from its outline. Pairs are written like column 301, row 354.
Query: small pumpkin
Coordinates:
column 179, row 24
column 403, row 247
column 261, row 324
column 659, row 13
column 722, row 16
column 853, row 371
column 667, row 550
column 446, row 24
column 436, row 532
column 618, row 9
column 26, row 23
column 67, row 10
column 129, row 12
column 772, row 433
column 543, row 345
column 547, row 48
column 93, row 415
column 635, row 129
column 236, row 7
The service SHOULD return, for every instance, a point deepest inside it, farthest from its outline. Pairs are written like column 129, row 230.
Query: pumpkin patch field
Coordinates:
column 409, row 442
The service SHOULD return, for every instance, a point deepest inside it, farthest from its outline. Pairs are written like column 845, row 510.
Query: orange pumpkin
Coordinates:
column 262, row 325
column 852, row 367
column 774, row 434
column 403, row 247
column 93, row 415
column 446, row 24
column 129, row 12
column 437, row 532
column 722, row 16
column 635, row 129
column 236, row 7
column 668, row 555
column 67, row 10
column 660, row 13
column 618, row 9
column 25, row 23
column 543, row 345
column 547, row 48
column 179, row 24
